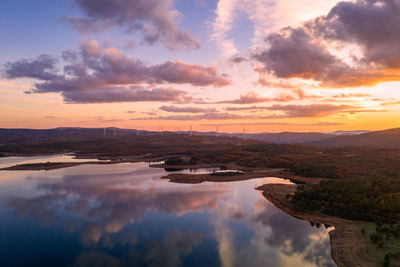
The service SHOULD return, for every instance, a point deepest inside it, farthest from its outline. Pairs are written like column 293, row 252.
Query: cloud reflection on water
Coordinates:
column 106, row 208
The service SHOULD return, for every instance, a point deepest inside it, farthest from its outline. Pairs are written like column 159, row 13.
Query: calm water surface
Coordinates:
column 125, row 215
column 11, row 161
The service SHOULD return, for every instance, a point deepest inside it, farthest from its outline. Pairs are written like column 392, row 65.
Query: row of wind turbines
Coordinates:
column 177, row 130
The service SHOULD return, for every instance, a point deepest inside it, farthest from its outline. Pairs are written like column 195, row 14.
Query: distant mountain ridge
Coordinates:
column 288, row 137
column 387, row 138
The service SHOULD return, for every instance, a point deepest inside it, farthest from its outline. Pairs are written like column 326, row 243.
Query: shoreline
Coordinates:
column 251, row 173
column 348, row 246
column 200, row 178
column 59, row 165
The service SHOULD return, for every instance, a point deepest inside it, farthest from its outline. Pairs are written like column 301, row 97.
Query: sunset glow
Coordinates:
column 267, row 65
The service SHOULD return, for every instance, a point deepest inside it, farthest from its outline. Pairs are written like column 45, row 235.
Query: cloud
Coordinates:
column 279, row 112
column 391, row 103
column 371, row 24
column 245, row 108
column 205, row 116
column 303, row 52
column 223, row 23
column 156, row 19
column 42, row 68
column 116, row 207
column 265, row 15
column 237, row 59
column 293, row 53
column 312, row 110
column 151, row 113
column 108, row 75
column 90, row 49
column 355, row 111
column 186, row 109
column 296, row 111
column 101, row 118
column 123, row 94
column 252, row 98
column 249, row 98
column 342, row 95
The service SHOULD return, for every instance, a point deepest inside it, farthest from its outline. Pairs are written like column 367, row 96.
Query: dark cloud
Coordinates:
column 42, row 68
column 186, row 109
column 94, row 75
column 238, row 59
column 302, row 52
column 156, row 19
column 293, row 53
column 372, row 24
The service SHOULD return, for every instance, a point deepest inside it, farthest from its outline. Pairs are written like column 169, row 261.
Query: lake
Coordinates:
column 125, row 215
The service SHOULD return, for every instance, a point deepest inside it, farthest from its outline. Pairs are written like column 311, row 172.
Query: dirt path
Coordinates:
column 347, row 243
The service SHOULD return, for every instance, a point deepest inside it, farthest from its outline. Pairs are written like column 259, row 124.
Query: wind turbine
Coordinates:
column 160, row 129
column 217, row 130
column 244, row 133
column 191, row 130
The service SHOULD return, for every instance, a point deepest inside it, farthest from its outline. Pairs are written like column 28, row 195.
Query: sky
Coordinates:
column 258, row 65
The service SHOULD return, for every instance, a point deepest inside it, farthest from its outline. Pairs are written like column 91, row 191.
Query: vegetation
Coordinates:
column 386, row 236
column 315, row 170
column 375, row 199
column 303, row 160
column 174, row 161
column 382, row 243
column 42, row 166
column 228, row 173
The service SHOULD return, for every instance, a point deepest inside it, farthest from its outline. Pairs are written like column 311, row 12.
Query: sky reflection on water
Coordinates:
column 124, row 215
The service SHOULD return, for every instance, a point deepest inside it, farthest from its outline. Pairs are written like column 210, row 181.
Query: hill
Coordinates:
column 385, row 139
column 290, row 137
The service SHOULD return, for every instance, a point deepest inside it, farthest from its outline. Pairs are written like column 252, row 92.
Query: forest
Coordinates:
column 300, row 159
column 374, row 199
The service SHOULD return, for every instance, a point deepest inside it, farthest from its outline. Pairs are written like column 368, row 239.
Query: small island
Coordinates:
column 41, row 166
